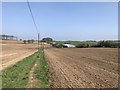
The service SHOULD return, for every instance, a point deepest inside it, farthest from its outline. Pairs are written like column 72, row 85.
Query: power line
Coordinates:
column 33, row 22
column 32, row 16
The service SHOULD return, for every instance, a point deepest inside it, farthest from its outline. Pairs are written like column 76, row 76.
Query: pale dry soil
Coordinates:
column 83, row 67
column 14, row 51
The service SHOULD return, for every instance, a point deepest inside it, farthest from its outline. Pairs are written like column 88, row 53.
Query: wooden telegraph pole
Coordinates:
column 38, row 41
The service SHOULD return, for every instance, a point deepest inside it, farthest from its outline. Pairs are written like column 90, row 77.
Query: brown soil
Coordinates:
column 83, row 68
column 14, row 51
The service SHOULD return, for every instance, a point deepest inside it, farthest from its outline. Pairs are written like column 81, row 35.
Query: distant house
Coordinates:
column 69, row 46
column 8, row 37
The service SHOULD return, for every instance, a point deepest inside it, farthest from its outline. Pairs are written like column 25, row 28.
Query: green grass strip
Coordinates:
column 17, row 76
column 41, row 71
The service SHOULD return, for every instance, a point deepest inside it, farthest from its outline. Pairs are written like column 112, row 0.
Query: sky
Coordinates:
column 61, row 20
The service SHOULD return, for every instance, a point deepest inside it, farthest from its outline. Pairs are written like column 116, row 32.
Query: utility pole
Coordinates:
column 33, row 22
column 38, row 41
column 41, row 45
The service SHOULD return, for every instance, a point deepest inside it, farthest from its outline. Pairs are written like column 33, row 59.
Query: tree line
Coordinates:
column 48, row 40
column 28, row 41
column 107, row 44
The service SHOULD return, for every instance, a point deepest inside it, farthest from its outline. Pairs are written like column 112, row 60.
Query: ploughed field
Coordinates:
column 83, row 67
column 14, row 51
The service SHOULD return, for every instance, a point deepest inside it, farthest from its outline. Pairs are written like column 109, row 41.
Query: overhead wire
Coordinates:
column 33, row 21
column 32, row 16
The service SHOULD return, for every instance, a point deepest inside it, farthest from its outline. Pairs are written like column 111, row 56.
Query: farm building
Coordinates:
column 68, row 46
column 8, row 37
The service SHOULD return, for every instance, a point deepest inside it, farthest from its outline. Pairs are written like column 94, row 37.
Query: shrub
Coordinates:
column 80, row 46
column 110, row 44
column 24, row 41
column 59, row 45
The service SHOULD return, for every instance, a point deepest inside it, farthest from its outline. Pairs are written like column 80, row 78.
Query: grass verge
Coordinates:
column 41, row 72
column 17, row 76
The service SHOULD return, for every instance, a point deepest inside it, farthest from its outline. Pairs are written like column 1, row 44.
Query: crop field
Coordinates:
column 14, row 51
column 60, row 45
column 58, row 67
column 83, row 68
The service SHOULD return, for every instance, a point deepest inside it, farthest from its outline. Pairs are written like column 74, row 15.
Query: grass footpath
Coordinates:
column 17, row 76
column 41, row 72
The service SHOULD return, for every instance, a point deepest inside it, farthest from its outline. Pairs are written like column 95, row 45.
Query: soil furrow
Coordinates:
column 82, row 70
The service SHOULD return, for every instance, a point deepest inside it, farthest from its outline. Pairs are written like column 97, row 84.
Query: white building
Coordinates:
column 68, row 45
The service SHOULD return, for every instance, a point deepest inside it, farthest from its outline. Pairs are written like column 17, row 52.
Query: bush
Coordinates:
column 110, row 44
column 59, row 45
column 81, row 46
column 24, row 41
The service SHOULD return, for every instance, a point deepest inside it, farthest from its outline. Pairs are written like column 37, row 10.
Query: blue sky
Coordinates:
column 62, row 21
